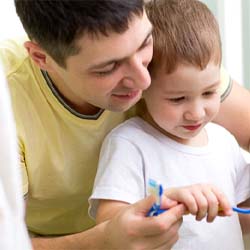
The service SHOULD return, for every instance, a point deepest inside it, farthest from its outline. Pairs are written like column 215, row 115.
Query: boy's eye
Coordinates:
column 177, row 99
column 208, row 93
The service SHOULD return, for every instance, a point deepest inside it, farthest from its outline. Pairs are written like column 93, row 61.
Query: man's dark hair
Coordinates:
column 57, row 24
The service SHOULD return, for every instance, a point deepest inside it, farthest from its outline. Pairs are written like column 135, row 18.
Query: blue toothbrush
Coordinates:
column 156, row 189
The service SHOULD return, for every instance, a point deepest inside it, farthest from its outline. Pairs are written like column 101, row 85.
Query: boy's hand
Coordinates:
column 201, row 200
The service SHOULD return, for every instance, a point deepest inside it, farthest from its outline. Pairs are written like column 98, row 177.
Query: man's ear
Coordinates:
column 38, row 55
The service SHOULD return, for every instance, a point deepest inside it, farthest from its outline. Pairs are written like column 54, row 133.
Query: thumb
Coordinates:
column 143, row 206
column 167, row 203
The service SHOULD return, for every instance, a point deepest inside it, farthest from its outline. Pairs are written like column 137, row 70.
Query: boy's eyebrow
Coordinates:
column 174, row 92
column 103, row 64
column 213, row 85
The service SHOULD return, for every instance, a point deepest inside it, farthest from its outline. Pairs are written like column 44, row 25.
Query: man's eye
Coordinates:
column 107, row 71
column 177, row 99
column 147, row 42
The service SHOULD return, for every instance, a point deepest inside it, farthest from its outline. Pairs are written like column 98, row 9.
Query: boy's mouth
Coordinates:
column 192, row 127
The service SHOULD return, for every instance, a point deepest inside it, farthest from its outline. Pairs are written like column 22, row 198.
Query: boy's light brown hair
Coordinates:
column 185, row 31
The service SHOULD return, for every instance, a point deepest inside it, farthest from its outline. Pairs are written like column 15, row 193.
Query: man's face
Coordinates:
column 183, row 102
column 109, row 72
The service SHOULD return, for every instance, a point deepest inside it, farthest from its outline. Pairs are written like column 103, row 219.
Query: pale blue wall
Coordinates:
column 218, row 8
column 246, row 41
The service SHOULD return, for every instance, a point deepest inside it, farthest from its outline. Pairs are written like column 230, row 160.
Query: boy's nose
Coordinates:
column 196, row 113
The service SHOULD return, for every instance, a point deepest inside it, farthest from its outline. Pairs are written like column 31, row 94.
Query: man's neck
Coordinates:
column 68, row 98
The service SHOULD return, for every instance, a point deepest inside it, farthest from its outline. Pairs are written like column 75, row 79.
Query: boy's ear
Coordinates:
column 38, row 55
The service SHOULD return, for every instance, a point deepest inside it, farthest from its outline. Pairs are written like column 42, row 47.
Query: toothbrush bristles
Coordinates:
column 155, row 189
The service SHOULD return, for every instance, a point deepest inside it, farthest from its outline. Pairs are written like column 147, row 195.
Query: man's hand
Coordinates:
column 131, row 229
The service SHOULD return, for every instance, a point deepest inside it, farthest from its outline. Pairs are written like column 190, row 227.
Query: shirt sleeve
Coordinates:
column 226, row 84
column 23, row 170
column 120, row 173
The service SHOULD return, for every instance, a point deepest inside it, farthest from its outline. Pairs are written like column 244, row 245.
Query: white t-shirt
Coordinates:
column 13, row 232
column 135, row 151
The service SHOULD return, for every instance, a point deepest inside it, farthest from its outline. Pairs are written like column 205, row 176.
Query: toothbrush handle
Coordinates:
column 156, row 211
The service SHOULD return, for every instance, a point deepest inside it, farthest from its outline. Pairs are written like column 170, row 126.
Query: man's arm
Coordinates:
column 234, row 114
column 90, row 239
column 128, row 229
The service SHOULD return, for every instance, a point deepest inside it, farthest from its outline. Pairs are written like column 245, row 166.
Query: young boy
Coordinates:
column 173, row 141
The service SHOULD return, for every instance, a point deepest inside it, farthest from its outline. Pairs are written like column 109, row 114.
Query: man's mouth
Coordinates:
column 129, row 95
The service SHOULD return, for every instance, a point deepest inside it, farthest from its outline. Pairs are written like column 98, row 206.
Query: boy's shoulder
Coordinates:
column 134, row 124
column 220, row 135
column 217, row 129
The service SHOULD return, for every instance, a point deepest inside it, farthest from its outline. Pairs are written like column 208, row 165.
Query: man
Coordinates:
column 83, row 59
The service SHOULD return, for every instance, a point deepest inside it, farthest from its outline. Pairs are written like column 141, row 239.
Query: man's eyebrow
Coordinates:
column 104, row 64
column 146, row 38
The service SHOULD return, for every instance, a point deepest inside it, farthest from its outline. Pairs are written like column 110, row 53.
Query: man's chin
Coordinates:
column 119, row 104
column 123, row 108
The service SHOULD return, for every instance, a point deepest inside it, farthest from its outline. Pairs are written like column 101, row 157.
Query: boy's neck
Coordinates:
column 200, row 140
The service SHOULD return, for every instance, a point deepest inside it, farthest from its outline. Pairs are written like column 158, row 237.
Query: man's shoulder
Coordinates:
column 12, row 55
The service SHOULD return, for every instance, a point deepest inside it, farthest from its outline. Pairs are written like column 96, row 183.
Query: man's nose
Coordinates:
column 138, row 76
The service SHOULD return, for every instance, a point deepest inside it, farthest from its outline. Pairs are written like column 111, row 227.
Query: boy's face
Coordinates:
column 109, row 72
column 183, row 102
